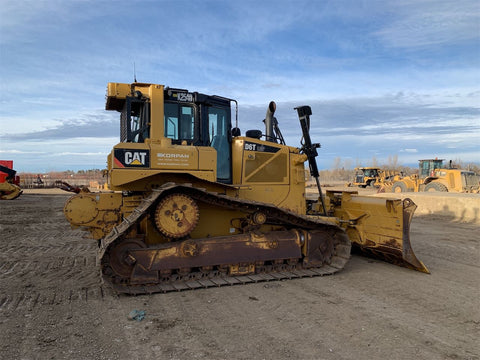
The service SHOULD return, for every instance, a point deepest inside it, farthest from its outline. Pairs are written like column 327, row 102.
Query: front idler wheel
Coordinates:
column 121, row 262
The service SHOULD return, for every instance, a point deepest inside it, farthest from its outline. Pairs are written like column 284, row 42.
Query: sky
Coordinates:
column 385, row 79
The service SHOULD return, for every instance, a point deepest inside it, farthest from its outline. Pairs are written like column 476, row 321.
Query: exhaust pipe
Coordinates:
column 269, row 135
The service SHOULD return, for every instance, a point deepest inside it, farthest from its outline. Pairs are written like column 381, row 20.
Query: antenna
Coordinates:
column 134, row 73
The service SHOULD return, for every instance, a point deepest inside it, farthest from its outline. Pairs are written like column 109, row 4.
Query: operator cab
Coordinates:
column 189, row 119
column 427, row 167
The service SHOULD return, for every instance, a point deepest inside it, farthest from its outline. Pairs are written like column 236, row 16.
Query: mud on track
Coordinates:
column 53, row 304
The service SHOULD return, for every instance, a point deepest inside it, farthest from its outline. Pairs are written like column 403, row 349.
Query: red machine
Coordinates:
column 9, row 181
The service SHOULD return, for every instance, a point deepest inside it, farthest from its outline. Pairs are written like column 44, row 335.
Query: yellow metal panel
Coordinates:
column 265, row 176
column 451, row 181
column 216, row 222
column 116, row 94
column 207, row 158
column 237, row 159
column 117, row 90
column 296, row 196
column 137, row 179
column 99, row 212
column 174, row 157
column 131, row 145
column 272, row 194
column 157, row 123
column 264, row 166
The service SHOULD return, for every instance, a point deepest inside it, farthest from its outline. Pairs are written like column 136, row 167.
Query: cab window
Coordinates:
column 134, row 121
column 179, row 121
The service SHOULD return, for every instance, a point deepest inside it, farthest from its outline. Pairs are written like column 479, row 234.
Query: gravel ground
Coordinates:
column 53, row 304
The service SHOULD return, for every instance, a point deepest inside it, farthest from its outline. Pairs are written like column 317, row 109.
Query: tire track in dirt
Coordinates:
column 50, row 264
column 30, row 300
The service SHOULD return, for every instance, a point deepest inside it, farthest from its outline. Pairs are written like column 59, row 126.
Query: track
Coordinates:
column 334, row 258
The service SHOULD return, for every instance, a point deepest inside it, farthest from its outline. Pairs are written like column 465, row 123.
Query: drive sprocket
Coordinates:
column 176, row 215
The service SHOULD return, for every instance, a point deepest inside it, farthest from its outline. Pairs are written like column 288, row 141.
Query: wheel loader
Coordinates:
column 434, row 176
column 193, row 203
column 372, row 177
column 9, row 181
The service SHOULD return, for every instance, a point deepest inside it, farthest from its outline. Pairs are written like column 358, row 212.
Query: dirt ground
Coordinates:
column 53, row 304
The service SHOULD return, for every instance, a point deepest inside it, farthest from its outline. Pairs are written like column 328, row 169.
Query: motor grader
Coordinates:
column 9, row 181
column 434, row 176
column 193, row 203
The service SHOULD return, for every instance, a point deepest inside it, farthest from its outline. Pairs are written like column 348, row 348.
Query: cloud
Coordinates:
column 363, row 127
column 382, row 115
column 425, row 23
column 68, row 153
column 356, row 128
column 88, row 126
column 20, row 152
column 381, row 76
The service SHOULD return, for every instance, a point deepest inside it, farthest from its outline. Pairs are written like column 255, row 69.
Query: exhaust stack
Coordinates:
column 269, row 135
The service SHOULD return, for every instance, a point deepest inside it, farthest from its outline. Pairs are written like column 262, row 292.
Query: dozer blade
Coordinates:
column 378, row 227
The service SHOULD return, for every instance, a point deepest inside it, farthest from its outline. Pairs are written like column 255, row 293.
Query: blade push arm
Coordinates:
column 308, row 148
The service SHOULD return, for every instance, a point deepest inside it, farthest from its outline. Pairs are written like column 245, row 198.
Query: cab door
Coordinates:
column 219, row 128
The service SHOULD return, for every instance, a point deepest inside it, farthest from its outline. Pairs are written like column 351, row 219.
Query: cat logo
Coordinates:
column 135, row 157
column 132, row 158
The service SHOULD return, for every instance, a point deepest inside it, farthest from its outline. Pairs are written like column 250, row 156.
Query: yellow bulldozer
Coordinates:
column 434, row 176
column 193, row 203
